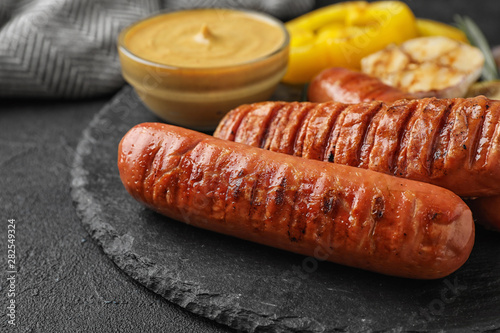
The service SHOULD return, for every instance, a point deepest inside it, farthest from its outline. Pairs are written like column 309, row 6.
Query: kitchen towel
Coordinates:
column 67, row 48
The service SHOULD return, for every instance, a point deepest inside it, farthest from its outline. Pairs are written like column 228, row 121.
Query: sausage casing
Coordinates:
column 347, row 86
column 487, row 210
column 453, row 143
column 334, row 212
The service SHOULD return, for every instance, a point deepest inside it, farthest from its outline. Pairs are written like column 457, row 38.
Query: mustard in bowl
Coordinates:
column 190, row 67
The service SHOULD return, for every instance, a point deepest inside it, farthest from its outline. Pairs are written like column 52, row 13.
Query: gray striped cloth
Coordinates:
column 67, row 48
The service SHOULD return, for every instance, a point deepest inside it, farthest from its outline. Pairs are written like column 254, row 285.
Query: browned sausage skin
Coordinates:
column 346, row 215
column 487, row 210
column 453, row 143
column 347, row 86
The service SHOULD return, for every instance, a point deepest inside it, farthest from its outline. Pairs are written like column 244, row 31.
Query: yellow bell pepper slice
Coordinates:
column 343, row 33
column 428, row 28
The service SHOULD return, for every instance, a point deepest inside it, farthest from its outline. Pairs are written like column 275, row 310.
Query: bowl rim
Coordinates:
column 267, row 17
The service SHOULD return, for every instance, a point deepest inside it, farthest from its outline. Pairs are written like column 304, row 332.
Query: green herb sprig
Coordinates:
column 477, row 39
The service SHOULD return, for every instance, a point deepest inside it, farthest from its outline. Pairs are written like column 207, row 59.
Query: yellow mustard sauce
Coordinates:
column 191, row 67
column 204, row 38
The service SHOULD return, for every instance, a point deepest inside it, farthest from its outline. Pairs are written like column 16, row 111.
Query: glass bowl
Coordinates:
column 198, row 97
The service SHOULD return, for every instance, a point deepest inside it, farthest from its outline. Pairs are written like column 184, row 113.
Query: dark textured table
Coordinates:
column 65, row 283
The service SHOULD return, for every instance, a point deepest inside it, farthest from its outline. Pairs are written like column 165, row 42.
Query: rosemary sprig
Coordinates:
column 303, row 97
column 476, row 38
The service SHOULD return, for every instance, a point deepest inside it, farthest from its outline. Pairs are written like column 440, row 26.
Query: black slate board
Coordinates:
column 256, row 288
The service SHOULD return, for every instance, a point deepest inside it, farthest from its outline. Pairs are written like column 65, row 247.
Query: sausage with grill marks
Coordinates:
column 453, row 143
column 346, row 215
column 487, row 210
column 347, row 86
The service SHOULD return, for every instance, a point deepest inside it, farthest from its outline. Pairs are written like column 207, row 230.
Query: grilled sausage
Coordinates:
column 453, row 143
column 487, row 210
column 347, row 86
column 347, row 215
